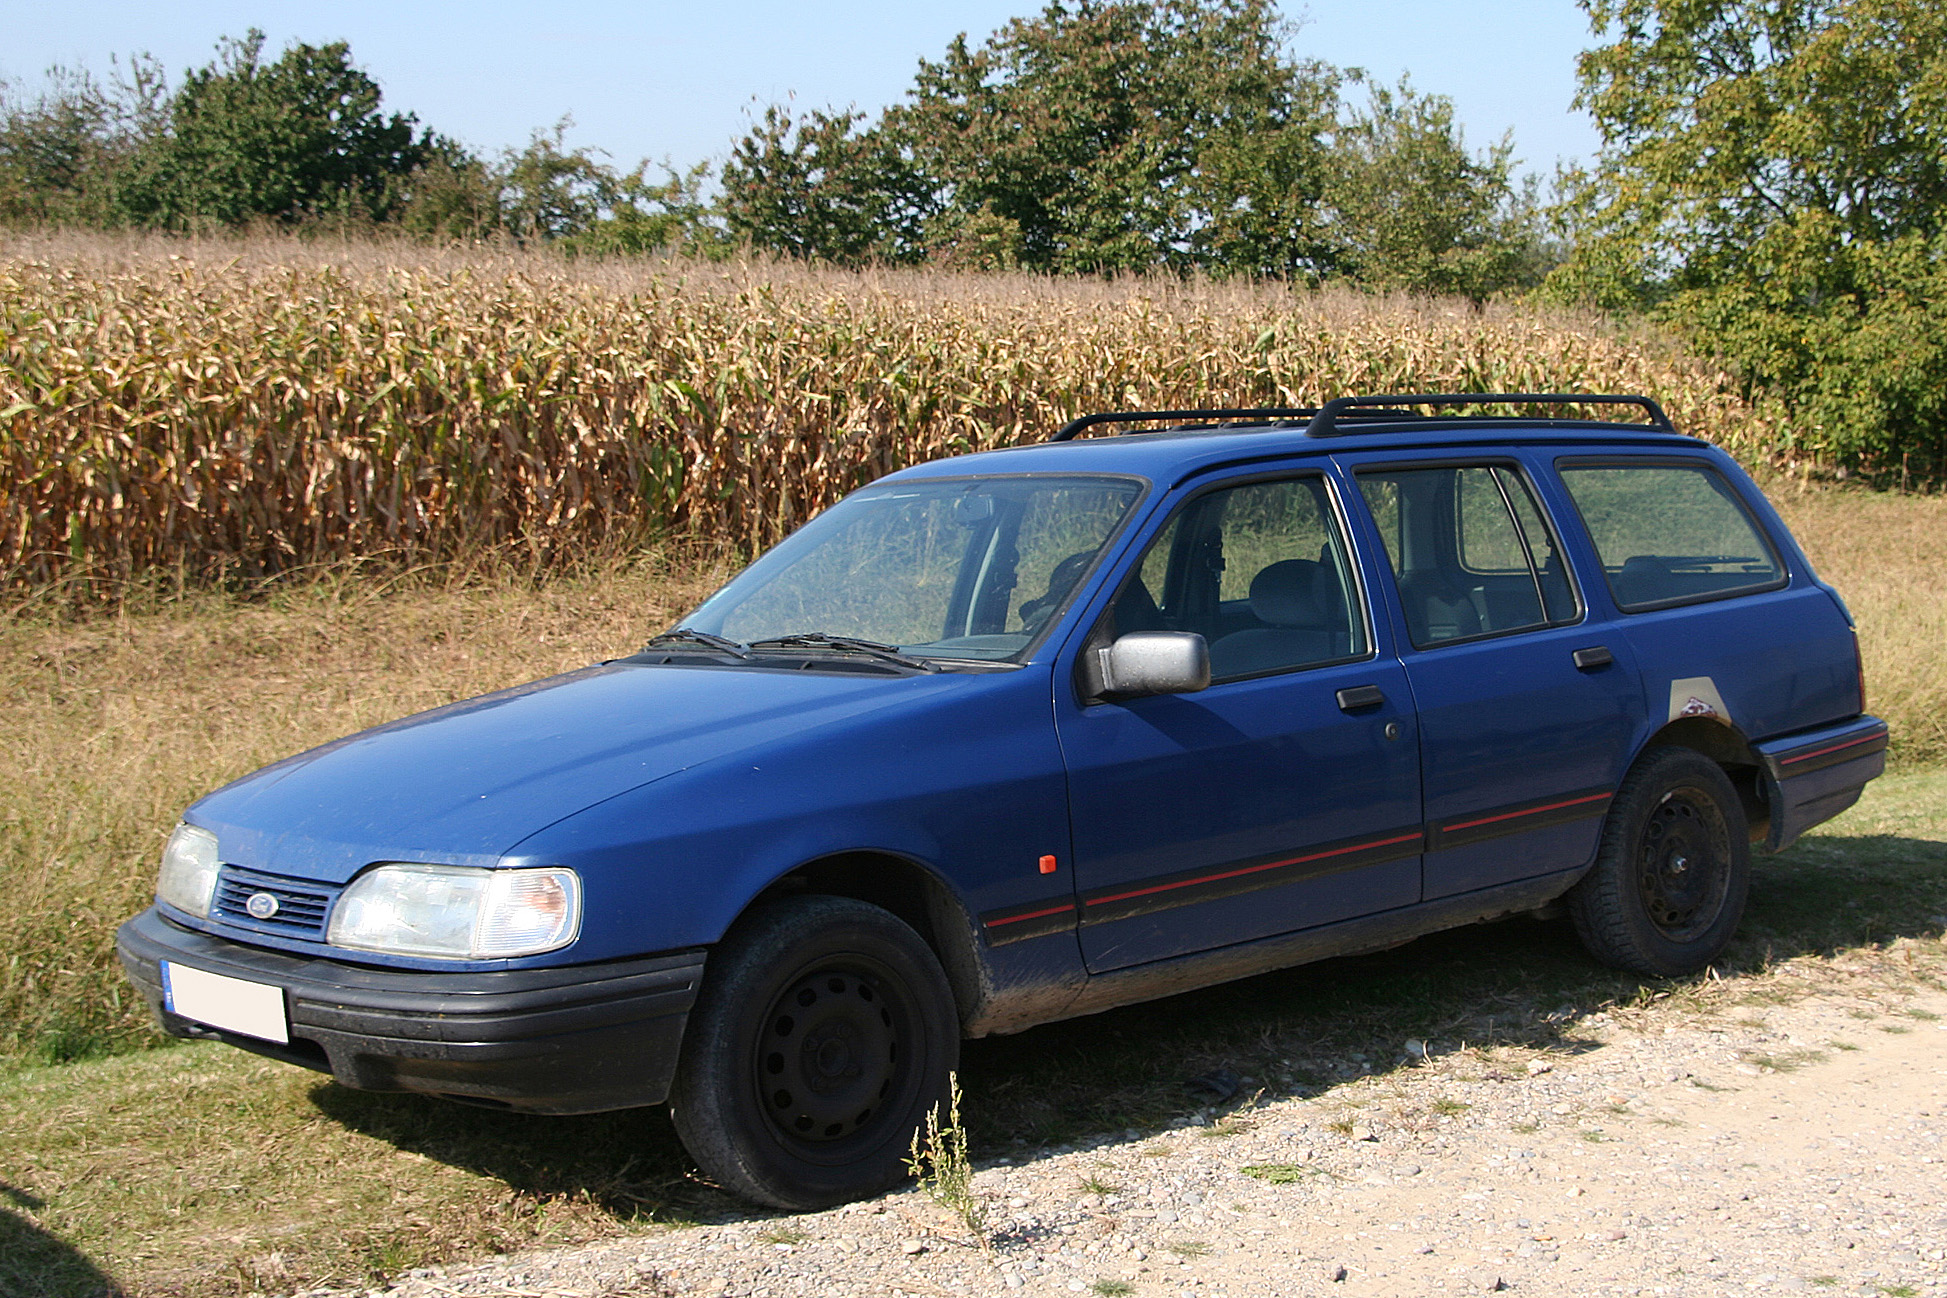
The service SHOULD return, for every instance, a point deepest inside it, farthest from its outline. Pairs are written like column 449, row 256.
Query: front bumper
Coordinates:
column 572, row 1039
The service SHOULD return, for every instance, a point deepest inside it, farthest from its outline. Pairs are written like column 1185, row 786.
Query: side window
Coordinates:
column 1261, row 571
column 1470, row 550
column 1667, row 533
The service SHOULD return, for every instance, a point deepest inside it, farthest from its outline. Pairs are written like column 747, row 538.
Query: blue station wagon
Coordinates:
column 1031, row 733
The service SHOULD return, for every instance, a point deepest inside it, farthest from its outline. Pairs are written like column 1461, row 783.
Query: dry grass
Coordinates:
column 247, row 407
column 1887, row 554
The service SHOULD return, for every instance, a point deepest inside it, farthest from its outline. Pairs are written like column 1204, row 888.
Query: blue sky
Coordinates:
column 656, row 80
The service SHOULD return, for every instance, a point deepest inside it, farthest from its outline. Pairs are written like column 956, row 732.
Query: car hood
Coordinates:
column 463, row 784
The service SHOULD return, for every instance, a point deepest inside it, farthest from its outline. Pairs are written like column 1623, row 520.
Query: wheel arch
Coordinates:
column 1726, row 745
column 911, row 892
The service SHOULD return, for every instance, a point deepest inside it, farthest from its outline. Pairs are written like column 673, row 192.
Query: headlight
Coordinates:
column 188, row 875
column 458, row 913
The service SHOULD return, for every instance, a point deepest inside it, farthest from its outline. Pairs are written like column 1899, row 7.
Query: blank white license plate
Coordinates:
column 254, row 1009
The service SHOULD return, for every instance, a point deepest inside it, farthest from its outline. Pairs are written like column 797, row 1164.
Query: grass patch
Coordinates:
column 1782, row 1061
column 1094, row 1184
column 1284, row 1173
column 1112, row 1288
column 1449, row 1107
column 1188, row 1248
column 200, row 1170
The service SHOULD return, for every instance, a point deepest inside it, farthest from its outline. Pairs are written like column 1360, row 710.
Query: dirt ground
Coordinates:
column 1787, row 1142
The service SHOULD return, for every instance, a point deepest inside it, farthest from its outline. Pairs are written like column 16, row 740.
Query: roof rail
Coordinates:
column 1326, row 422
column 1260, row 415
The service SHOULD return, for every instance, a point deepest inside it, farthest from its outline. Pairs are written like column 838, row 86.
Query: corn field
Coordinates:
column 250, row 408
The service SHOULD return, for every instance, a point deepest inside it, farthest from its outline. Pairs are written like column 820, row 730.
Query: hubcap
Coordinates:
column 1684, row 870
column 829, row 1055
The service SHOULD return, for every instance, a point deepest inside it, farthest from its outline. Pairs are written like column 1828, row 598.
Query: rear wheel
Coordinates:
column 824, row 1032
column 1668, row 886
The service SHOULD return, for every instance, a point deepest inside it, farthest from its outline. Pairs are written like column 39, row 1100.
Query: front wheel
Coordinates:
column 1668, row 885
column 824, row 1032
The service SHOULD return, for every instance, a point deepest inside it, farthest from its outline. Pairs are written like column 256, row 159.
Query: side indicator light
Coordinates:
column 1047, row 865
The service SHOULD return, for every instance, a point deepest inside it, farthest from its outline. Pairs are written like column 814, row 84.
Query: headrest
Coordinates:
column 1294, row 592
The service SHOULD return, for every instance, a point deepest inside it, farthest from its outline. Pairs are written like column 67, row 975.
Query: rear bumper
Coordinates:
column 575, row 1039
column 1814, row 775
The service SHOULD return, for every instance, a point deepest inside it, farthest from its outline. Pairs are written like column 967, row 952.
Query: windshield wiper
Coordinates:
column 685, row 635
column 844, row 644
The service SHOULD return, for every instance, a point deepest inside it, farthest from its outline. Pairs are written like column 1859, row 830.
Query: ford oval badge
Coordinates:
column 261, row 905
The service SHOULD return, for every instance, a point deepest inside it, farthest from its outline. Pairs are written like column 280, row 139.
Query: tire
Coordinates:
column 823, row 1033
column 1668, row 885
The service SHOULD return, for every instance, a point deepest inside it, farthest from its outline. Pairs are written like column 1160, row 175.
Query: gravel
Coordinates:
column 1794, row 1148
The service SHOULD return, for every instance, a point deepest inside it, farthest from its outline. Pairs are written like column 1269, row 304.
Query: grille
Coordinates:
column 301, row 904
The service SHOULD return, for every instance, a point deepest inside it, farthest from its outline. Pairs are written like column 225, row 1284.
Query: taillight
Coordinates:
column 1859, row 662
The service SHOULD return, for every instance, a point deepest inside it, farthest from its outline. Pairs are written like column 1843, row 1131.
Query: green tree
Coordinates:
column 301, row 137
column 1128, row 134
column 1101, row 136
column 818, row 185
column 61, row 148
column 1419, row 212
column 1773, row 180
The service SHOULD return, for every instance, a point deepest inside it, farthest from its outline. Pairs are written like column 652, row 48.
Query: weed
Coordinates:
column 1915, row 1012
column 1112, row 1288
column 1594, row 1136
column 945, row 1173
column 1187, row 1248
column 1093, row 1184
column 1837, row 1044
column 1157, row 1151
column 1449, row 1107
column 1897, row 1029
column 1861, row 1014
column 784, row 1234
column 1899, row 1291
column 1340, row 1126
column 1284, row 1173
column 1825, row 1281
column 1525, row 1128
column 1783, row 1061
column 1228, row 1125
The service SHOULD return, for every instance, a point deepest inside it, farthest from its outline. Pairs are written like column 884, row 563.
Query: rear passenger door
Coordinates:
column 1284, row 796
column 1527, row 710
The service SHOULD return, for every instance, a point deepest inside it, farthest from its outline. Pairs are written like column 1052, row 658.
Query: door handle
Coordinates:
column 1358, row 697
column 1589, row 659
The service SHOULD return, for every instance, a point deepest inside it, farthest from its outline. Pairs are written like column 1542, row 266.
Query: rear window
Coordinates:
column 1670, row 533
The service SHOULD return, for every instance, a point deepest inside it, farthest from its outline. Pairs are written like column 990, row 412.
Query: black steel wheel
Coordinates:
column 824, row 1032
column 1668, row 886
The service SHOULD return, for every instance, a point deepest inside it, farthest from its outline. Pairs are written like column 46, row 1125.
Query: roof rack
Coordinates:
column 1326, row 422
column 1260, row 415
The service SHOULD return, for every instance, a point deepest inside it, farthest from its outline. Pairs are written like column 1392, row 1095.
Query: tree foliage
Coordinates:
column 1773, row 179
column 297, row 137
column 1122, row 135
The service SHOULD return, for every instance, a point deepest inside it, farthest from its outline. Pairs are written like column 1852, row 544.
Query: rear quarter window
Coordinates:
column 1670, row 533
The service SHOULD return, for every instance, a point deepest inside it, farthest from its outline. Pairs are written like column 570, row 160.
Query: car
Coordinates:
column 1033, row 733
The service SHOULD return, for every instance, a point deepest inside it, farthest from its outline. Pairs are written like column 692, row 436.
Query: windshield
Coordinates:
column 945, row 567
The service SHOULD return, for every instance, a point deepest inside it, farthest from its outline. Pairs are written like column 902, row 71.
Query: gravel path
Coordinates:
column 1741, row 1149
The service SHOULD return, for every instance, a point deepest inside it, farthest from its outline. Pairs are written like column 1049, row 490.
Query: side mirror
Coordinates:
column 1153, row 662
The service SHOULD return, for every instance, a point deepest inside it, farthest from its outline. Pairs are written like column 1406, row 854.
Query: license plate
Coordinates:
column 254, row 1009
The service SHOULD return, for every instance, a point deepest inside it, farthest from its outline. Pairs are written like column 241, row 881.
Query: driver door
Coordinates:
column 1284, row 796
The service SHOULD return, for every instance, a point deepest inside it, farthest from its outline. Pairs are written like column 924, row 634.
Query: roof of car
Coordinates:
column 1173, row 453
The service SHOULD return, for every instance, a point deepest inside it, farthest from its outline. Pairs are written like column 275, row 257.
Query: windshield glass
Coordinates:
column 945, row 567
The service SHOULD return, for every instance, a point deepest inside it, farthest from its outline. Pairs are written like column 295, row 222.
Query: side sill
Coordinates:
column 1360, row 936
